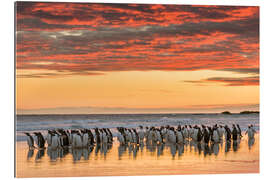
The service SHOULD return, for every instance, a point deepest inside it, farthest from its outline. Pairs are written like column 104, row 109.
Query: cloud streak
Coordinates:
column 229, row 81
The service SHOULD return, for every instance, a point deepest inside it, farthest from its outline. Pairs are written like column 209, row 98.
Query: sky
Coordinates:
column 77, row 58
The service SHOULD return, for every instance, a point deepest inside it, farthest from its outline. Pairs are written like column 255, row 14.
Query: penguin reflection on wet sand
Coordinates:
column 39, row 154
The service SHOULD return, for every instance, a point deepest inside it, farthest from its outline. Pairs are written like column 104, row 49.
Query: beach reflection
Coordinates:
column 155, row 149
column 143, row 159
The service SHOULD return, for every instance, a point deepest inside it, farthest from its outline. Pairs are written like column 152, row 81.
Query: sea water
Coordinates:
column 41, row 123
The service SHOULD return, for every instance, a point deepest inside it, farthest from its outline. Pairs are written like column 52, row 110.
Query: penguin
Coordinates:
column 129, row 136
column 124, row 133
column 40, row 140
column 141, row 134
column 137, row 141
column 215, row 135
column 221, row 132
column 167, row 133
column 250, row 133
column 227, row 133
column 85, row 138
column 199, row 135
column 90, row 137
column 185, row 132
column 30, row 141
column 159, row 136
column 49, row 138
column 105, row 136
column 77, row 140
column 239, row 132
column 154, row 136
column 195, row 133
column 234, row 133
column 64, row 138
column 151, row 135
column 163, row 133
column 146, row 133
column 206, row 136
column 180, row 136
column 55, row 141
column 171, row 136
column 97, row 136
column 190, row 131
column 101, row 135
column 120, row 137
column 111, row 135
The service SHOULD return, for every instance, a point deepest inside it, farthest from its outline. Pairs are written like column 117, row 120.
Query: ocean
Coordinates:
column 32, row 123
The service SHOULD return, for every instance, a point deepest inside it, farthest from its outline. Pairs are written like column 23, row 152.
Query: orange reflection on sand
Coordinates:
column 140, row 160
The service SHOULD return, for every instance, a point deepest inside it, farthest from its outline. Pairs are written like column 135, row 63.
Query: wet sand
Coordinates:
column 118, row 160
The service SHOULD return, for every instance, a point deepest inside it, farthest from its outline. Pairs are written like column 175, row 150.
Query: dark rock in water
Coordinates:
column 226, row 112
column 249, row 112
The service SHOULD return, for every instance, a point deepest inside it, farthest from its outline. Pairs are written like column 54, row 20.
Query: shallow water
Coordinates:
column 241, row 157
column 41, row 123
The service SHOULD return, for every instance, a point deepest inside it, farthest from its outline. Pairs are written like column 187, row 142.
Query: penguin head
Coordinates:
column 35, row 133
column 26, row 133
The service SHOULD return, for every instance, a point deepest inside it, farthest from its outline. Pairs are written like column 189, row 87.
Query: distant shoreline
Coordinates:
column 115, row 114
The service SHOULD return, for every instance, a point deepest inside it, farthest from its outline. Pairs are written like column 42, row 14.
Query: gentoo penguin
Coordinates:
column 190, row 131
column 163, row 133
column 111, row 135
column 85, row 138
column 40, row 140
column 136, row 136
column 64, row 138
column 234, row 133
column 141, row 134
column 185, row 132
column 30, row 141
column 49, row 137
column 167, row 133
column 180, row 136
column 210, row 131
column 129, row 137
column 97, row 136
column 77, row 140
column 195, row 133
column 105, row 136
column 199, row 135
column 120, row 137
column 239, row 132
column 215, row 135
column 250, row 133
column 151, row 135
column 228, row 133
column 171, row 136
column 221, row 132
column 146, row 134
column 101, row 135
column 55, row 141
column 206, row 136
column 158, row 136
column 90, row 137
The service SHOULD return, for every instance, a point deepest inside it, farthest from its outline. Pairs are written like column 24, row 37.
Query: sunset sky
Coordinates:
column 131, row 58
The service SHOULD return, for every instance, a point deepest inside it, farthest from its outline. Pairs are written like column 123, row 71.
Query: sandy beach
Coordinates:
column 142, row 160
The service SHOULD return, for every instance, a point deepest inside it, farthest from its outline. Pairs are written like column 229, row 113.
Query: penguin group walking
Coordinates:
column 73, row 138
column 181, row 134
column 81, row 142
